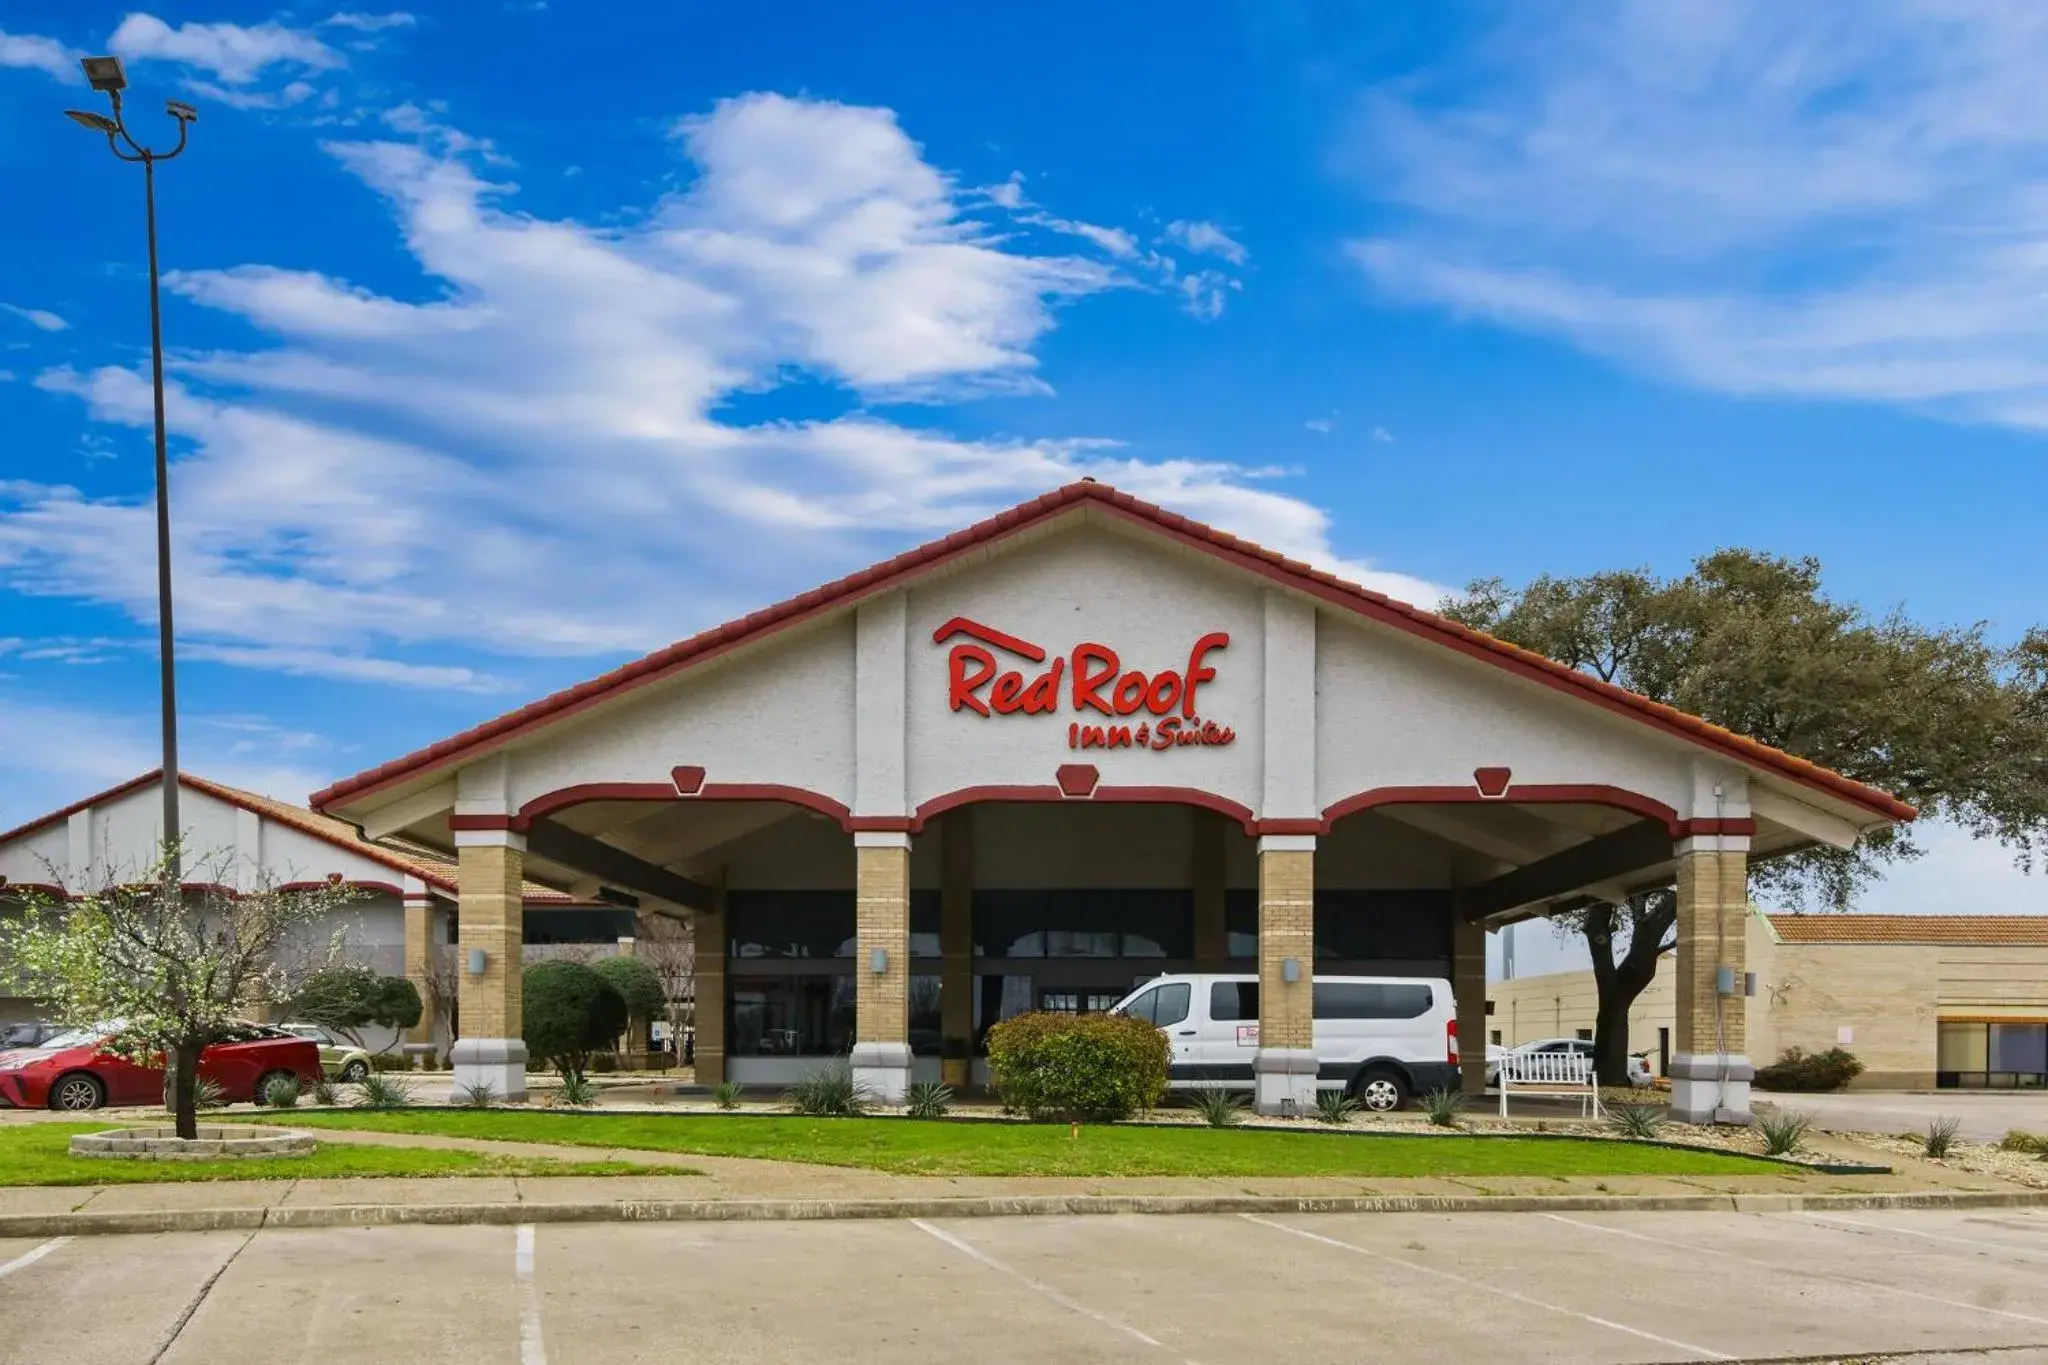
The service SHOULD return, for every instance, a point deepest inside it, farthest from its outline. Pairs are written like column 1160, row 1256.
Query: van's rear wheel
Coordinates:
column 1381, row 1090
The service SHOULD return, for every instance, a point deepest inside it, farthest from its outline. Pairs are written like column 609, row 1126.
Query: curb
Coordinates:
column 79, row 1224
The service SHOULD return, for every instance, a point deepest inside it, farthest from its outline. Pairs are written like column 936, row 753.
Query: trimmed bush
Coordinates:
column 638, row 984
column 1094, row 1068
column 569, row 1012
column 1798, row 1070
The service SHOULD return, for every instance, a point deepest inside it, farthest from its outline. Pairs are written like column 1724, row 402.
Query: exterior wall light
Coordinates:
column 878, row 961
column 476, row 961
column 1290, row 969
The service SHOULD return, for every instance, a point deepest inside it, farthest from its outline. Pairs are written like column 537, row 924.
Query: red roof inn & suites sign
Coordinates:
column 1143, row 710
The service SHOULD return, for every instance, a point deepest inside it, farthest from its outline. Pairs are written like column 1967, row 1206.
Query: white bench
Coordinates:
column 1550, row 1073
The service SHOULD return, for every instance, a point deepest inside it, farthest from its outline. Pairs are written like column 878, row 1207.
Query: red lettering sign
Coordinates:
column 1147, row 710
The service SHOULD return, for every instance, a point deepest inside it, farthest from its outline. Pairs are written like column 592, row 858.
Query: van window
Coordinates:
column 1372, row 1000
column 1234, row 1000
column 1162, row 1006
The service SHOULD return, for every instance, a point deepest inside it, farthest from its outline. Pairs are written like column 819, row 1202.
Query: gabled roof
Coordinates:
column 894, row 573
column 433, row 868
column 1953, row 931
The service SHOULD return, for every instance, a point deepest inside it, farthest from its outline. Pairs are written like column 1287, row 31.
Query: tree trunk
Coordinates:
column 184, row 1063
column 1619, row 982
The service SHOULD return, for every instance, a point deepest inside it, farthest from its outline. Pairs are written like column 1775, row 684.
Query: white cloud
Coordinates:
column 1801, row 200
column 1206, row 239
column 368, row 23
column 56, row 754
column 1321, row 425
column 40, row 54
column 1383, row 436
column 235, row 54
column 36, row 317
column 536, row 456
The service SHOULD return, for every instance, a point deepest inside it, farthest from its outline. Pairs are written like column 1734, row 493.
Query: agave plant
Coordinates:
column 830, row 1090
column 928, row 1100
column 1784, row 1134
column 726, row 1094
column 1335, row 1107
column 1443, row 1104
column 379, row 1091
column 1635, row 1120
column 1219, row 1108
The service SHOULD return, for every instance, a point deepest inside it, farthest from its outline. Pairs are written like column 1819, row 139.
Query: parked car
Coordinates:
column 1582, row 1048
column 27, row 1035
column 73, row 1072
column 338, row 1058
column 1382, row 1038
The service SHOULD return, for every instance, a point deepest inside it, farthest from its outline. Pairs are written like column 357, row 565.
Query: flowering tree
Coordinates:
column 168, row 970
column 672, row 953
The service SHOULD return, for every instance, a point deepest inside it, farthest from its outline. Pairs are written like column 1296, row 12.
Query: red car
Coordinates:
column 71, row 1072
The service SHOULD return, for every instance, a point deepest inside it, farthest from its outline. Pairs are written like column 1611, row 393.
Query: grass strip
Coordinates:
column 1023, row 1149
column 38, row 1154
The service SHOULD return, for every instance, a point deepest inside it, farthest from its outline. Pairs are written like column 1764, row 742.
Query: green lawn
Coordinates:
column 918, row 1148
column 37, row 1154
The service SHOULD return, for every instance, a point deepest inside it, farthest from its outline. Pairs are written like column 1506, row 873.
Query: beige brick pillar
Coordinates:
column 1212, row 937
column 1468, row 988
column 419, row 961
column 1284, row 1071
column 707, row 1007
column 1710, row 1069
column 881, row 1013
column 956, row 947
column 490, row 961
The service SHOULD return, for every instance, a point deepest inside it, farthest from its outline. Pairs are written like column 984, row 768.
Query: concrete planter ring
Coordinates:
column 215, row 1142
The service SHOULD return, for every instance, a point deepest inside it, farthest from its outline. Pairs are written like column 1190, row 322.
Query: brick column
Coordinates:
column 419, row 961
column 1212, row 937
column 956, row 948
column 1710, row 1070
column 1284, row 1070
column 489, row 881
column 881, row 1016
column 707, row 1000
column 1468, row 988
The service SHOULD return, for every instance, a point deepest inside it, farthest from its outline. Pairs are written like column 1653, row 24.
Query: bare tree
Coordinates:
column 674, row 959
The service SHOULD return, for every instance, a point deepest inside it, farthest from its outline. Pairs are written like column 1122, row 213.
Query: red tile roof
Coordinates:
column 1960, row 931
column 435, row 869
column 892, row 573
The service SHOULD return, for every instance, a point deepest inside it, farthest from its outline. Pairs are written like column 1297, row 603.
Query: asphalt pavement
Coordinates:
column 1924, row 1287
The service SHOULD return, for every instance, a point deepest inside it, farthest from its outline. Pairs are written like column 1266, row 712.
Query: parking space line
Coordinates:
column 1072, row 1305
column 1840, row 1221
column 31, row 1256
column 1494, row 1289
column 531, row 1349
column 1878, row 1285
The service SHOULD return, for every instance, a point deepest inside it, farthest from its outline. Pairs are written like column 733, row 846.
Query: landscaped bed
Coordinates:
column 38, row 1154
column 912, row 1147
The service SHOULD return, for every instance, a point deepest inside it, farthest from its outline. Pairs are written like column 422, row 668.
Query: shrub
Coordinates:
column 576, row 1092
column 831, row 1089
column 1635, row 1120
column 603, row 1063
column 206, row 1093
column 726, row 1094
column 637, row 983
column 569, row 1012
column 324, row 1091
column 390, row 1061
column 1443, row 1105
column 2018, row 1141
column 478, row 1096
column 1096, row 1068
column 928, row 1100
column 1335, row 1106
column 1941, row 1137
column 1783, row 1134
column 351, row 999
column 1798, row 1070
column 378, row 1091
column 281, row 1093
column 1219, row 1108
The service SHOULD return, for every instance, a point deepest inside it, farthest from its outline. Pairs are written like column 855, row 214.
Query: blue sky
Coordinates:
column 509, row 340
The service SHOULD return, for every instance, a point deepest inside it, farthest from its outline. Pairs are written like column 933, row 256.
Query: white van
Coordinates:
column 1383, row 1038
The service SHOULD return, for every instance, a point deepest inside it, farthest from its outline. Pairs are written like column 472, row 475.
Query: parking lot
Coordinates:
column 1425, row 1288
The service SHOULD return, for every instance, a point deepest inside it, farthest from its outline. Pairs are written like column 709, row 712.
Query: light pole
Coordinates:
column 105, row 74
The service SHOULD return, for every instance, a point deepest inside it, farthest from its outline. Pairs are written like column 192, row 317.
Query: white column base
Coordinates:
column 1710, row 1088
column 1284, row 1082
column 883, row 1069
column 499, row 1063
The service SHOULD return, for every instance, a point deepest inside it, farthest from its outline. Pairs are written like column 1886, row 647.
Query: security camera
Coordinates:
column 181, row 111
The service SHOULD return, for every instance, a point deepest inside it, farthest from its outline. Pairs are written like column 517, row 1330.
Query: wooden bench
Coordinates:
column 1550, row 1073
